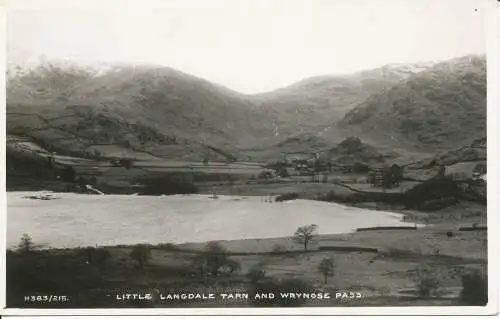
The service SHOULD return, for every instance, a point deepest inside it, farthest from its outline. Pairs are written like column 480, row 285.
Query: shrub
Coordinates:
column 277, row 249
column 265, row 175
column 427, row 281
column 287, row 196
column 256, row 273
column 26, row 244
column 141, row 254
column 397, row 253
column 427, row 287
column 229, row 266
column 215, row 258
column 474, row 290
column 168, row 246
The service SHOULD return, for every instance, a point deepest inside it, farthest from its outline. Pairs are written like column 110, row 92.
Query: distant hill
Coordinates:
column 474, row 152
column 353, row 150
column 442, row 107
column 316, row 102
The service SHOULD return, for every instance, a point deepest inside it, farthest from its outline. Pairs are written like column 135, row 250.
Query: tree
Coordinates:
column 441, row 171
column 387, row 179
column 359, row 167
column 68, row 174
column 229, row 266
column 327, row 268
column 396, row 174
column 230, row 179
column 282, row 171
column 141, row 253
column 304, row 234
column 372, row 179
column 26, row 244
column 256, row 273
column 213, row 260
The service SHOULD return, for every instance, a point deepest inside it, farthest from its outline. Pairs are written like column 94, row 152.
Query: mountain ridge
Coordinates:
column 171, row 113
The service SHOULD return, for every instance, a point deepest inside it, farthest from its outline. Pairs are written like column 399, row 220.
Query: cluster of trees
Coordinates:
column 214, row 261
column 265, row 175
column 387, row 178
column 168, row 185
column 435, row 191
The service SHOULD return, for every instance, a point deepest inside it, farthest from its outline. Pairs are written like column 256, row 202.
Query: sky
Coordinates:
column 249, row 46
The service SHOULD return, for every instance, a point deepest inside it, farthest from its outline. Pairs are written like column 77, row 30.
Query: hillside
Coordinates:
column 473, row 153
column 443, row 107
column 314, row 103
column 353, row 150
column 155, row 110
column 151, row 111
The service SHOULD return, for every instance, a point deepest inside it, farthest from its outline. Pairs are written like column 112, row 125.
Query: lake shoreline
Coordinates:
column 231, row 212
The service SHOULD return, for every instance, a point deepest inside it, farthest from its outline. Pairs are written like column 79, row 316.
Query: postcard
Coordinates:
column 252, row 157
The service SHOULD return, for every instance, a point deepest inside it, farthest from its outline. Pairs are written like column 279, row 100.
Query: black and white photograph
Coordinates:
column 250, row 155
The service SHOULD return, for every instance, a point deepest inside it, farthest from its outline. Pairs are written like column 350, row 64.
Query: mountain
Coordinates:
column 316, row 102
column 163, row 112
column 151, row 111
column 154, row 110
column 440, row 108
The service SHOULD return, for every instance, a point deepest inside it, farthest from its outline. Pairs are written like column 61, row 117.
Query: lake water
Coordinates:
column 88, row 220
